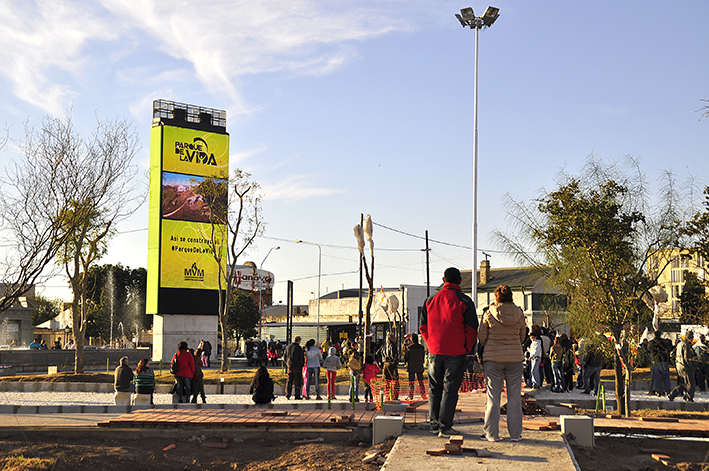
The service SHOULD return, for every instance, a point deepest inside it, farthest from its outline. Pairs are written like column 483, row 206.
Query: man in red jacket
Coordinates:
column 449, row 325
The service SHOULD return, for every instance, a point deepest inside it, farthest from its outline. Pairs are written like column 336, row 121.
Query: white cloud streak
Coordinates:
column 44, row 43
column 295, row 188
column 42, row 39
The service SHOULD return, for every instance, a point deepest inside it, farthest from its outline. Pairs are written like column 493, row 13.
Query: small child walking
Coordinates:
column 370, row 371
column 331, row 363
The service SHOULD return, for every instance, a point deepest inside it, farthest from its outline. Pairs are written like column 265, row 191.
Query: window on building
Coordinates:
column 652, row 263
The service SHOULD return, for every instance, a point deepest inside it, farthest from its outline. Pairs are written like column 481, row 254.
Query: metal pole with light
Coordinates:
column 317, row 332
column 468, row 18
column 260, row 289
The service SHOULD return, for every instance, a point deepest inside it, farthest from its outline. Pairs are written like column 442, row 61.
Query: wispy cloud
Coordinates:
column 43, row 43
column 295, row 188
column 41, row 40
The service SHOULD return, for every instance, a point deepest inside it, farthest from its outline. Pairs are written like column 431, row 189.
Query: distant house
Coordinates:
column 673, row 266
column 339, row 314
column 16, row 322
column 543, row 303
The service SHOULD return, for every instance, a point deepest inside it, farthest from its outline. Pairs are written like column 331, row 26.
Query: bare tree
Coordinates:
column 234, row 224
column 36, row 189
column 704, row 110
column 72, row 192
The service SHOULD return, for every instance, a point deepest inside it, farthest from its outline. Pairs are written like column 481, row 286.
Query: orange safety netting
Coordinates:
column 407, row 392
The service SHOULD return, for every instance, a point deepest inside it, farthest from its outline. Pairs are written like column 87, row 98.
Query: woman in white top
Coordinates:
column 313, row 359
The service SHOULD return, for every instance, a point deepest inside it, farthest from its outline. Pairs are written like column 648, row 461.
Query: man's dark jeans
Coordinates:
column 184, row 388
column 445, row 375
column 294, row 380
column 591, row 378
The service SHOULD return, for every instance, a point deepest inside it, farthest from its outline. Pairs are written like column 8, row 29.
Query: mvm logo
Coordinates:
column 194, row 273
column 196, row 151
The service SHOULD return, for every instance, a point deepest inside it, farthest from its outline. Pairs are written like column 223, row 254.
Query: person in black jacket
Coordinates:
column 414, row 358
column 123, row 377
column 294, row 359
column 261, row 389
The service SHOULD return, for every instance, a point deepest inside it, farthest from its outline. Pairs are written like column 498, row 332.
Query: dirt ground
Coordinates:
column 621, row 454
column 187, row 455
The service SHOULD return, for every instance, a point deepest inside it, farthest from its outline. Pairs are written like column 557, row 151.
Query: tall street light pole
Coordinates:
column 260, row 289
column 468, row 18
column 317, row 332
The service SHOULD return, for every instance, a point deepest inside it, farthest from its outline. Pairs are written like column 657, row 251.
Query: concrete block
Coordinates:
column 559, row 410
column 386, row 427
column 395, row 407
column 141, row 399
column 165, row 389
column 580, row 426
column 122, row 398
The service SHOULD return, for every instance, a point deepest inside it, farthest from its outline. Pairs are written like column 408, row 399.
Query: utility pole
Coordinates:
column 428, row 268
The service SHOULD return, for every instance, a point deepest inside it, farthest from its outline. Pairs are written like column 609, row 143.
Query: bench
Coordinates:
column 122, row 398
column 141, row 400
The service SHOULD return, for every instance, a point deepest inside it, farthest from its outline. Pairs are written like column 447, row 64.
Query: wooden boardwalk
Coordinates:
column 471, row 409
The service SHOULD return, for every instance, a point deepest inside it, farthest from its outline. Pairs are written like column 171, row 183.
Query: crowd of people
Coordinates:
column 508, row 353
column 186, row 366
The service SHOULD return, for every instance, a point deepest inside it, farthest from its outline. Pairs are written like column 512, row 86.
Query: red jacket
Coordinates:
column 185, row 363
column 449, row 323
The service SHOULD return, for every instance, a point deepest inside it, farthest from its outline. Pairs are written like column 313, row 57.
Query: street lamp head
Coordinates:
column 490, row 15
column 298, row 241
column 467, row 13
column 462, row 21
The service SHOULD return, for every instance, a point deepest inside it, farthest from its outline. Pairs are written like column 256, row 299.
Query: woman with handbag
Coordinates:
column 182, row 366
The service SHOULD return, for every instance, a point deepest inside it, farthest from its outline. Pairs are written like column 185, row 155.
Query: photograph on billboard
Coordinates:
column 183, row 199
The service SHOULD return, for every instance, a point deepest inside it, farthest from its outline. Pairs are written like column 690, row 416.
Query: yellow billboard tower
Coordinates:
column 188, row 144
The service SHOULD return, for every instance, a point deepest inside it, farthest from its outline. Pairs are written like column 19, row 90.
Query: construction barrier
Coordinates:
column 407, row 392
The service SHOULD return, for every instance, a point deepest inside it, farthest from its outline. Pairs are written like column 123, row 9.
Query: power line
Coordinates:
column 350, row 247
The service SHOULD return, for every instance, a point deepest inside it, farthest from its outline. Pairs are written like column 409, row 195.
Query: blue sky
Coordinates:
column 349, row 107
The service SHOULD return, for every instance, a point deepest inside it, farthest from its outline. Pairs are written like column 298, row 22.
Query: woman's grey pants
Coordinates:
column 511, row 374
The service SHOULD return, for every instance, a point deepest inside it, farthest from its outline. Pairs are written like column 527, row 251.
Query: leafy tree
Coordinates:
column 46, row 309
column 234, row 224
column 594, row 235
column 693, row 300
column 243, row 315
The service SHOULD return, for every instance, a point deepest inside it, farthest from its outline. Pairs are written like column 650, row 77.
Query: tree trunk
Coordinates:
column 78, row 339
column 619, row 385
column 627, row 385
column 222, row 326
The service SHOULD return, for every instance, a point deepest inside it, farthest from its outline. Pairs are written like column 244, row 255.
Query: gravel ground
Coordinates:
column 41, row 398
column 576, row 395
column 55, row 398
